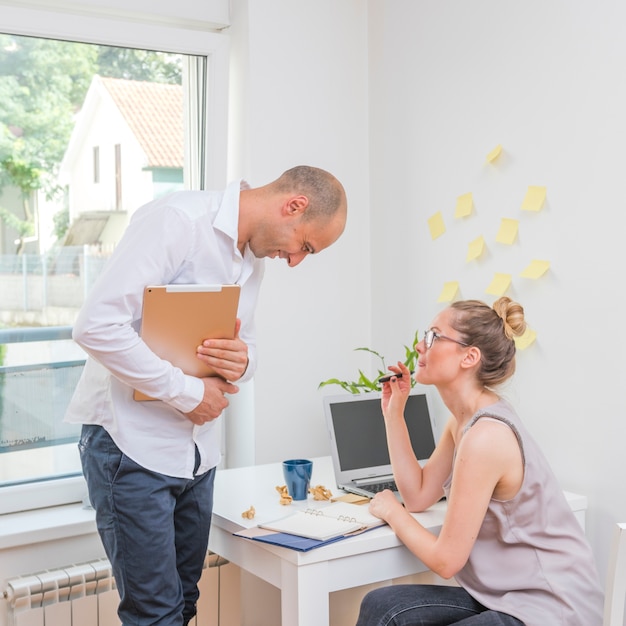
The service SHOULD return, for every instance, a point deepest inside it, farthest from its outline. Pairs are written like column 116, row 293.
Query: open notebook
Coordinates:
column 359, row 442
column 335, row 520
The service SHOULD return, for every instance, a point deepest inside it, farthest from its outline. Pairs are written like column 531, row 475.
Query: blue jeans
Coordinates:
column 154, row 528
column 427, row 605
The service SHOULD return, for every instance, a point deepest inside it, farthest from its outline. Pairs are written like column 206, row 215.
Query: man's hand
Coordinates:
column 214, row 400
column 227, row 357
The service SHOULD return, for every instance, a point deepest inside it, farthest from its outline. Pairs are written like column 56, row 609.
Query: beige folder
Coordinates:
column 176, row 319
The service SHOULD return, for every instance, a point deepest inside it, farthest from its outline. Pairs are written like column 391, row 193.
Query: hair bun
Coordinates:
column 512, row 315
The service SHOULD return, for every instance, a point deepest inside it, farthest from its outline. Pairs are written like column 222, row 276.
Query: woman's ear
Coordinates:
column 472, row 357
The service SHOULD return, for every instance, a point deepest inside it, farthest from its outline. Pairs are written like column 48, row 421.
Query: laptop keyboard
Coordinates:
column 376, row 487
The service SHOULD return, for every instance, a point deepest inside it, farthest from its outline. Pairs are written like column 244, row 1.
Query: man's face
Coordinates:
column 292, row 238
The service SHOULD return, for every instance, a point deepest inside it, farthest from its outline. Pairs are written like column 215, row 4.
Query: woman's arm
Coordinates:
column 486, row 455
column 419, row 487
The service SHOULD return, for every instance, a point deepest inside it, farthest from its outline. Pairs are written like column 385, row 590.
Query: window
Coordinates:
column 39, row 364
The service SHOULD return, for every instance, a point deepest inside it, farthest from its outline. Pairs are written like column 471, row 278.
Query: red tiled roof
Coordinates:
column 154, row 112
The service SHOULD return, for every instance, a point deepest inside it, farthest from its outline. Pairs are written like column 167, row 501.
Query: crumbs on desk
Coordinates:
column 285, row 498
column 320, row 493
column 249, row 514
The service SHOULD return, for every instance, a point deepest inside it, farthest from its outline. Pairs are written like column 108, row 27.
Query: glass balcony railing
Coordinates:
column 36, row 385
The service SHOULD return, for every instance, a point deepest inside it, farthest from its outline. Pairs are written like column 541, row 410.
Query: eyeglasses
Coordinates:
column 430, row 335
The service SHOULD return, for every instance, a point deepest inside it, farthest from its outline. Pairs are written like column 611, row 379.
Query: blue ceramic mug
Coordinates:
column 297, row 473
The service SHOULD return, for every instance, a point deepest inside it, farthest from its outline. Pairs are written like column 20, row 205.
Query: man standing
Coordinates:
column 150, row 466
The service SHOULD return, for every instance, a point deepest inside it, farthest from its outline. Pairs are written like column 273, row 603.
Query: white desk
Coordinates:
column 306, row 578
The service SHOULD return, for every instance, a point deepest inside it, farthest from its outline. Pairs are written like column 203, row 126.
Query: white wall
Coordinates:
column 448, row 82
column 444, row 84
column 299, row 85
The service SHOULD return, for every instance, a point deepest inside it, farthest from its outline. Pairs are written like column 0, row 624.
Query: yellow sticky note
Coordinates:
column 536, row 269
column 521, row 343
column 499, row 284
column 464, row 205
column 534, row 198
column 436, row 225
column 475, row 249
column 508, row 231
column 494, row 154
column 449, row 291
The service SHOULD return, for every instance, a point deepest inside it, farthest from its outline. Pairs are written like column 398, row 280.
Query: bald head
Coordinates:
column 300, row 213
column 326, row 195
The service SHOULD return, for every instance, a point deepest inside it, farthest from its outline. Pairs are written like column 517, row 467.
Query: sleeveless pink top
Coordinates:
column 531, row 558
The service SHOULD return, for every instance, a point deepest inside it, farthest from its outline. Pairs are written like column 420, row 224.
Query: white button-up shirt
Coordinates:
column 188, row 237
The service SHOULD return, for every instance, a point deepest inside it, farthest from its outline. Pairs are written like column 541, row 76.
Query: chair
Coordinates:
column 615, row 594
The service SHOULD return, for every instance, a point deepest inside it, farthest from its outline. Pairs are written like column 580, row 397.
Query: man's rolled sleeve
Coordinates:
column 191, row 396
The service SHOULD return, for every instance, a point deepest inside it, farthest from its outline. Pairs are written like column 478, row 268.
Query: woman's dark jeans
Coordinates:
column 427, row 605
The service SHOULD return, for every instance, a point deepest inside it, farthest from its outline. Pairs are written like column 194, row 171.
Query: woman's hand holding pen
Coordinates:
column 396, row 390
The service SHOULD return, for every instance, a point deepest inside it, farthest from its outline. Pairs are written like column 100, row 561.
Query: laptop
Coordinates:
column 359, row 442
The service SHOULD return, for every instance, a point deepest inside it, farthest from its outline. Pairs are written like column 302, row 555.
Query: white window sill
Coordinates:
column 43, row 525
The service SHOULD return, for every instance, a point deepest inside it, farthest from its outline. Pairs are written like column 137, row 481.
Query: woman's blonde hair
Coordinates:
column 492, row 331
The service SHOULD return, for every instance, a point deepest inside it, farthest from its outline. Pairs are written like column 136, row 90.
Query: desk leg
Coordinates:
column 304, row 595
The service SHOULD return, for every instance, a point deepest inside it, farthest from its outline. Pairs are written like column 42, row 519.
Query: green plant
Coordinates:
column 367, row 384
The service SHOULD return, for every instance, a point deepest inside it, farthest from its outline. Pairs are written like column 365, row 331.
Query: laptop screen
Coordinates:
column 357, row 430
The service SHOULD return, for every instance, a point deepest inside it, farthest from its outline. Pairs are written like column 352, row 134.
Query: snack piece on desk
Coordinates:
column 352, row 498
column 249, row 514
column 285, row 498
column 320, row 493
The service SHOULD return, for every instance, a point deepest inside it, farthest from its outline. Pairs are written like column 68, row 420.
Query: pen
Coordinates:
column 386, row 379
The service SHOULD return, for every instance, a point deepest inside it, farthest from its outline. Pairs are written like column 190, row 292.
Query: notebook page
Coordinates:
column 312, row 525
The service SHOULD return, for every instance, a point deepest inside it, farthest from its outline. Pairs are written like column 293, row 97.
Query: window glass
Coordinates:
column 88, row 133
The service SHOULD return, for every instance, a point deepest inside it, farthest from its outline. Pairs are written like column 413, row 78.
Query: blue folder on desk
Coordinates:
column 284, row 540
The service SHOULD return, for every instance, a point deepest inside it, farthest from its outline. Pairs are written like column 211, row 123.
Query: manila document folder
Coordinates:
column 176, row 319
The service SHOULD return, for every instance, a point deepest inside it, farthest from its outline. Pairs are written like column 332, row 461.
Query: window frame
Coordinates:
column 129, row 32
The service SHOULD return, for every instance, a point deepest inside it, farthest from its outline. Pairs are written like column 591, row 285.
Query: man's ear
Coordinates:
column 296, row 205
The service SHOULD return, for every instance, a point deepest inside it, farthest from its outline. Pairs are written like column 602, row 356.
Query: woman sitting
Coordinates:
column 509, row 537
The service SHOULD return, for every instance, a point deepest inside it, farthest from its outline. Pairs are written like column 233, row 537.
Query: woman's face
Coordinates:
column 439, row 364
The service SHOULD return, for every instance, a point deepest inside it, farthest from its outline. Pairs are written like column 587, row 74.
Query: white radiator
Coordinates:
column 85, row 595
